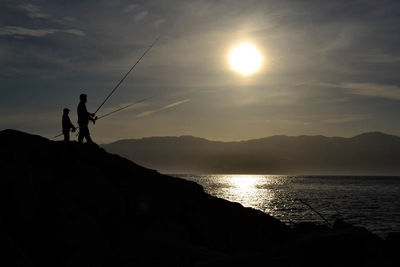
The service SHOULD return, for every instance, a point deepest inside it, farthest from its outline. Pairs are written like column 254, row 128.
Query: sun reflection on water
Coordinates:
column 249, row 190
column 352, row 198
column 263, row 192
column 243, row 183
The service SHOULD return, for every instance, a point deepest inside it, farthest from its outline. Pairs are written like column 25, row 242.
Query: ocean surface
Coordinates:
column 372, row 202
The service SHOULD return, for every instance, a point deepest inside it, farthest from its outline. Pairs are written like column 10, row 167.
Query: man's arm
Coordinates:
column 90, row 116
column 93, row 119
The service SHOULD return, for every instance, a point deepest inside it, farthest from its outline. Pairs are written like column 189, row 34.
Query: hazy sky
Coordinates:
column 329, row 67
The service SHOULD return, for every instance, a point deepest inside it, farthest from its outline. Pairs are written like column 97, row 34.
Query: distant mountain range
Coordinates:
column 371, row 153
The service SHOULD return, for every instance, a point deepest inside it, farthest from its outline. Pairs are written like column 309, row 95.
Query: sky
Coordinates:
column 329, row 67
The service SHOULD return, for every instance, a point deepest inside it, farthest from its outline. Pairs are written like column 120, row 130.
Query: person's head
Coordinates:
column 66, row 111
column 83, row 98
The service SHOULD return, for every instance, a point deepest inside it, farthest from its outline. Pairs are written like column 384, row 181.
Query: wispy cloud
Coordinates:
column 345, row 119
column 176, row 103
column 74, row 32
column 294, row 121
column 149, row 112
column 141, row 15
column 65, row 20
column 21, row 31
column 370, row 89
column 130, row 8
column 380, row 57
column 158, row 23
column 34, row 11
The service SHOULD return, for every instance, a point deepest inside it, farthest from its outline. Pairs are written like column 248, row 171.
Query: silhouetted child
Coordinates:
column 67, row 125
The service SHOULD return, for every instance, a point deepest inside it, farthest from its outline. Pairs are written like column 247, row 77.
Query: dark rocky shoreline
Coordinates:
column 77, row 205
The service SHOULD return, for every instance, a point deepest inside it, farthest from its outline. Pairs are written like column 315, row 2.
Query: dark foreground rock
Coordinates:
column 76, row 205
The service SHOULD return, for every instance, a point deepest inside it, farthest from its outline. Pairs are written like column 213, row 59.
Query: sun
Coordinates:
column 245, row 59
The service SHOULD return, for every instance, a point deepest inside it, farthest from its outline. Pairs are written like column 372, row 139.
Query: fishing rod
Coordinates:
column 125, row 107
column 117, row 110
column 126, row 75
column 317, row 212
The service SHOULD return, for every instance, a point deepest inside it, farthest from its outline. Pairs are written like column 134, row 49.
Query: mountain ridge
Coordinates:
column 373, row 134
column 371, row 153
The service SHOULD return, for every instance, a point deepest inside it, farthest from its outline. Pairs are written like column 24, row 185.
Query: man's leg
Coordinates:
column 87, row 136
column 84, row 133
column 66, row 136
column 81, row 133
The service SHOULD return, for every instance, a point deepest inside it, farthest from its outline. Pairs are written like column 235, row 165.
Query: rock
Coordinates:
column 305, row 228
column 392, row 245
column 74, row 204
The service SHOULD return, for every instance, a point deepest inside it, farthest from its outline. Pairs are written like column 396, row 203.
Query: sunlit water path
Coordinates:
column 373, row 202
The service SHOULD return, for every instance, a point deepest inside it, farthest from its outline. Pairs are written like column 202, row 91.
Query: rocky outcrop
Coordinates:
column 66, row 204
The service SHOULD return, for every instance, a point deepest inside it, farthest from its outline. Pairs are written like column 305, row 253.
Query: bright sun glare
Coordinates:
column 245, row 59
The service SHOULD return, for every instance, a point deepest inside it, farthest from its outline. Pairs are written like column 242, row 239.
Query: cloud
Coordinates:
column 146, row 113
column 295, row 121
column 74, row 32
column 149, row 112
column 344, row 119
column 130, row 8
column 370, row 89
column 34, row 11
column 65, row 20
column 380, row 57
column 21, row 31
column 141, row 15
column 158, row 23
column 176, row 103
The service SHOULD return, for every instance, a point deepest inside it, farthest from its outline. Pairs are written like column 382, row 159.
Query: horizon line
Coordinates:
column 251, row 139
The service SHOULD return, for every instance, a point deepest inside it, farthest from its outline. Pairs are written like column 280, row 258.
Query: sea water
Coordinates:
column 372, row 202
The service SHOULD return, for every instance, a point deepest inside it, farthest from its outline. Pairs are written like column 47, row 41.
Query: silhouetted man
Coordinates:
column 83, row 120
column 67, row 124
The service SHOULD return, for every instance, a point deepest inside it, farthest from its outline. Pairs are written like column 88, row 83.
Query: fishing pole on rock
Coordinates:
column 126, row 75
